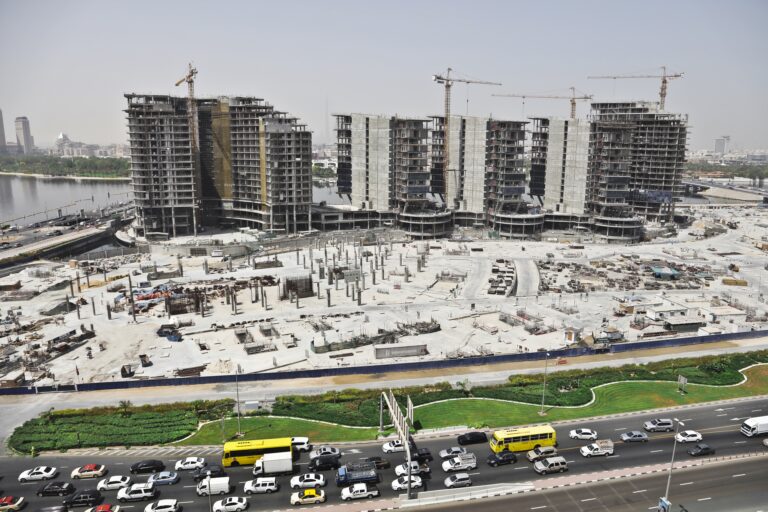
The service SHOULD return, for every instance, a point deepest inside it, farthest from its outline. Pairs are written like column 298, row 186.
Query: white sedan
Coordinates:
column 114, row 483
column 190, row 464
column 163, row 506
column 324, row 450
column 89, row 471
column 688, row 436
column 308, row 480
column 401, row 484
column 584, row 434
column 38, row 473
column 234, row 504
column 393, row 446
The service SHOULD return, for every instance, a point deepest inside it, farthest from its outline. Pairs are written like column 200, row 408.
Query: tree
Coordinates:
column 125, row 406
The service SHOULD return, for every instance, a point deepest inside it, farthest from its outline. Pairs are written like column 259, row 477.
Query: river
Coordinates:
column 24, row 199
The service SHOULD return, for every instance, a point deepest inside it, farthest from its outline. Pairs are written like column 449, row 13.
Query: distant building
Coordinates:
column 3, row 147
column 24, row 140
column 252, row 167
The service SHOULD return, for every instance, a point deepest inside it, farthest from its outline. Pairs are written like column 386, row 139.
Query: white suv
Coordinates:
column 301, row 444
column 261, row 486
column 136, row 492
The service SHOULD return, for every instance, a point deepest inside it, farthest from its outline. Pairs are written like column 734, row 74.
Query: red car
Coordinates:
column 11, row 503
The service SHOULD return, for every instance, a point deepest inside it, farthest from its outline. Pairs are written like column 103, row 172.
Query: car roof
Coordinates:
column 266, row 479
column 167, row 501
column 90, row 467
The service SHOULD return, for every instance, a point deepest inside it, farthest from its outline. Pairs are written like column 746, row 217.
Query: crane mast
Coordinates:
column 447, row 81
column 193, row 136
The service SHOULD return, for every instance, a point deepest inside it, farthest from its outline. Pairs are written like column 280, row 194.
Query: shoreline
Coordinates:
column 68, row 177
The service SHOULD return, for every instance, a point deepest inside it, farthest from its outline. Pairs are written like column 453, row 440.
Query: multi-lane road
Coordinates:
column 719, row 425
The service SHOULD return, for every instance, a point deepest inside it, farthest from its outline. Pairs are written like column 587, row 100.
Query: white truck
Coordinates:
column 211, row 486
column 755, row 426
column 463, row 462
column 599, row 447
column 280, row 463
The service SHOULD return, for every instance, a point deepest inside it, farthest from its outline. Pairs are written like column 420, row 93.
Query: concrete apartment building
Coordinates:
column 24, row 141
column 398, row 164
column 251, row 168
column 611, row 173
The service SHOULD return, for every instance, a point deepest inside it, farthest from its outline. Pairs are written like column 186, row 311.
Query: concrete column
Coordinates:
column 318, row 289
column 347, row 283
column 77, row 305
column 297, row 256
column 109, row 312
column 401, row 259
column 359, row 297
column 93, row 306
column 87, row 280
column 328, row 296
column 71, row 288
column 373, row 276
column 304, row 260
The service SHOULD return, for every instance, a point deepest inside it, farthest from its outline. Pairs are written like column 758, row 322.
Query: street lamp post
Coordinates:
column 237, row 396
column 672, row 462
column 544, row 389
column 210, row 501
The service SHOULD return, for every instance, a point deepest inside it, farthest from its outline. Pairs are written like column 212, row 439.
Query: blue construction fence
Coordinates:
column 383, row 368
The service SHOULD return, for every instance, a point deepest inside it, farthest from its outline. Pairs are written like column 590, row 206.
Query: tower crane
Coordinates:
column 665, row 78
column 193, row 135
column 572, row 98
column 447, row 80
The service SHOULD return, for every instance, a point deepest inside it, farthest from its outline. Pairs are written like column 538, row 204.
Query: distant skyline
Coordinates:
column 66, row 65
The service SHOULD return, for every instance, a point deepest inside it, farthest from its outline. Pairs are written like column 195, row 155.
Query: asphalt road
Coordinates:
column 734, row 487
column 719, row 425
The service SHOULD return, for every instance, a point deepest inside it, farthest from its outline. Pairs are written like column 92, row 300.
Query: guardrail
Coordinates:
column 382, row 368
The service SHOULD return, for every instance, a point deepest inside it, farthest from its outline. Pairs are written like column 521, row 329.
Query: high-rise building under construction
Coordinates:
column 252, row 168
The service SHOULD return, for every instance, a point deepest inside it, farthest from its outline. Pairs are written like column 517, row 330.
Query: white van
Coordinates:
column 218, row 485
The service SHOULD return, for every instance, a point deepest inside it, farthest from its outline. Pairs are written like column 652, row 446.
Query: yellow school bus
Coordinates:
column 523, row 439
column 245, row 453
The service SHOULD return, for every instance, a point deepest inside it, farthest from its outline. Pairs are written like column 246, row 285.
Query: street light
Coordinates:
column 237, row 395
column 672, row 462
column 544, row 389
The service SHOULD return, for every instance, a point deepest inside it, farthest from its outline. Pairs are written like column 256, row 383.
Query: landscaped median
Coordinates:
column 353, row 415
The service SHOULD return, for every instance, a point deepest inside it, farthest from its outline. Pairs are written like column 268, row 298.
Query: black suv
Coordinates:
column 501, row 459
column 86, row 498
column 56, row 489
column 701, row 449
column 148, row 466
column 472, row 438
column 422, row 455
column 324, row 463
column 213, row 471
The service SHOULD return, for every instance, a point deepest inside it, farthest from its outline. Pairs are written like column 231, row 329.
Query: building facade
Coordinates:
column 24, row 140
column 250, row 165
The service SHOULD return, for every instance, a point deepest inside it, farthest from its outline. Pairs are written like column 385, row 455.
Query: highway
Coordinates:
column 719, row 425
column 738, row 486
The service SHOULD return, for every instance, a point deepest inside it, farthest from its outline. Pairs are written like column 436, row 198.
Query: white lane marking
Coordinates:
column 243, row 481
column 612, row 456
column 185, row 502
column 189, row 486
column 755, row 410
column 737, row 419
column 351, row 450
column 739, row 442
column 540, row 507
column 728, row 408
column 724, row 414
column 686, row 483
column 656, row 451
column 588, row 499
column 704, row 499
column 119, row 463
column 622, row 428
column 687, row 419
column 521, row 468
column 641, row 490
column 570, row 461
column 738, row 475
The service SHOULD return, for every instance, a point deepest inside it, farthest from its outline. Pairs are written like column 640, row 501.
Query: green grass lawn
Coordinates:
column 262, row 427
column 611, row 399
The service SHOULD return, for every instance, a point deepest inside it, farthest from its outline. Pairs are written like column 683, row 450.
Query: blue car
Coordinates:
column 163, row 478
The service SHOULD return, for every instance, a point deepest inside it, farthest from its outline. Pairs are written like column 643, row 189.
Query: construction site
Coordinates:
column 367, row 298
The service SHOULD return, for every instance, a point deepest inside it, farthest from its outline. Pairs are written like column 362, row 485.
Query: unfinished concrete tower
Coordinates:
column 655, row 142
column 559, row 165
column 255, row 165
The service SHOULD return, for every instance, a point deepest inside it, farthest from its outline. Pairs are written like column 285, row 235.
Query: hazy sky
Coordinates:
column 66, row 65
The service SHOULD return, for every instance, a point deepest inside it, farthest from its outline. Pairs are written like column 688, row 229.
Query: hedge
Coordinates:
column 110, row 426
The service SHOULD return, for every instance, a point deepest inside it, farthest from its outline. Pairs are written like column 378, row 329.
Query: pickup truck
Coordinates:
column 463, row 462
column 416, row 468
column 345, row 477
column 599, row 447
